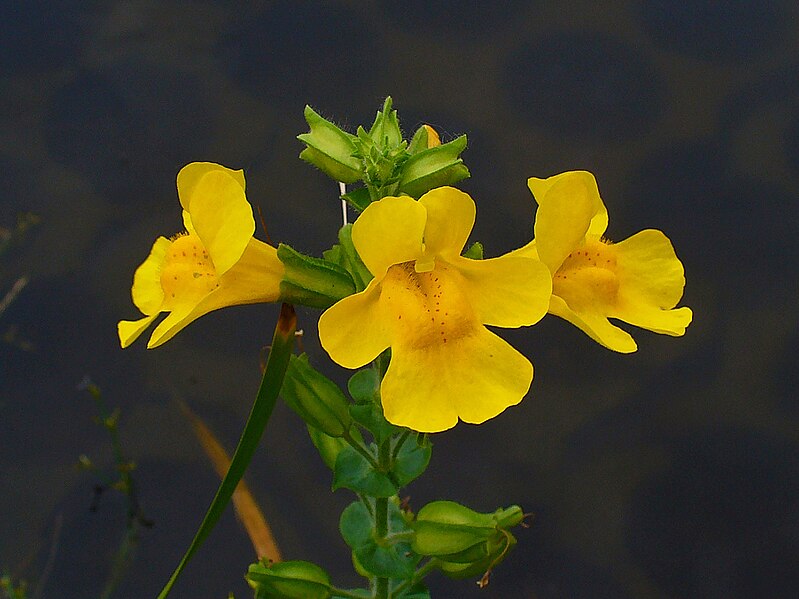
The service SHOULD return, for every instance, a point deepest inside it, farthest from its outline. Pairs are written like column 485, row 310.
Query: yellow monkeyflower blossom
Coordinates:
column 215, row 263
column 639, row 280
column 429, row 304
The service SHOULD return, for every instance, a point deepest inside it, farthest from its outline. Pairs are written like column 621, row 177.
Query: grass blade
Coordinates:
column 250, row 515
column 276, row 364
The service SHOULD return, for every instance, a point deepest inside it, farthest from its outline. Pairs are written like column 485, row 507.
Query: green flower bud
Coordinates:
column 456, row 534
column 434, row 167
column 289, row 580
column 385, row 131
column 496, row 550
column 327, row 446
column 330, row 149
column 315, row 398
column 449, row 530
column 425, row 137
column 312, row 282
column 353, row 263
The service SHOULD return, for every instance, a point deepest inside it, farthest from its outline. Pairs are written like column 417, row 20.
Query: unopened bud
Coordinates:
column 315, row 398
column 289, row 580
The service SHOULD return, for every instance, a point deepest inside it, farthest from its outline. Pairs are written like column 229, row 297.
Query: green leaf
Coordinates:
column 353, row 471
column 418, row 141
column 370, row 416
column 360, row 593
column 330, row 149
column 276, row 364
column 356, row 525
column 417, row 591
column 433, row 168
column 358, row 198
column 475, row 251
column 336, row 256
column 364, row 386
column 379, row 557
column 354, row 265
column 411, row 461
column 310, row 281
column 385, row 130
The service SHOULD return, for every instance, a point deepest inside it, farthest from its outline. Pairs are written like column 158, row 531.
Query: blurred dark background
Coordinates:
column 672, row 472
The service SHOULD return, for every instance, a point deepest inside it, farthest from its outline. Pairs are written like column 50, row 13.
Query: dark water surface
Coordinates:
column 671, row 472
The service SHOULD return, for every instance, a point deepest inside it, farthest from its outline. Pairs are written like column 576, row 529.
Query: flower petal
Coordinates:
column 130, row 330
column 146, row 291
column 599, row 219
column 509, row 291
column 527, row 251
column 473, row 378
column 667, row 322
column 595, row 325
column 174, row 322
column 649, row 271
column 450, row 218
column 388, row 232
column 222, row 218
column 565, row 210
column 354, row 330
column 253, row 279
column 187, row 223
column 190, row 175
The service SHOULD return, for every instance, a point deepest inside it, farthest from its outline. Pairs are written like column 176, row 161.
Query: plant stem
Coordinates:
column 381, row 516
column 337, row 592
column 418, row 575
column 357, row 446
column 400, row 441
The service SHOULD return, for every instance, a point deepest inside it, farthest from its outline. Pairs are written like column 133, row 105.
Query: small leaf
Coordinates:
column 385, row 130
column 418, row 141
column 417, row 591
column 370, row 415
column 354, row 472
column 433, row 168
column 355, row 525
column 330, row 149
column 411, row 461
column 335, row 256
column 475, row 251
column 364, row 386
column 380, row 558
column 358, row 198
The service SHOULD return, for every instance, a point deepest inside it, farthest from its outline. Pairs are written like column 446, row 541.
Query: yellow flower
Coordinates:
column 638, row 280
column 215, row 263
column 429, row 304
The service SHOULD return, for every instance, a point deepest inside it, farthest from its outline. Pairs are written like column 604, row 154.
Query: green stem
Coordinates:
column 417, row 576
column 357, row 446
column 381, row 516
column 400, row 442
column 342, row 593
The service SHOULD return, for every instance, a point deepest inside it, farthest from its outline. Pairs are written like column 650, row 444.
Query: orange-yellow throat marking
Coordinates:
column 426, row 308
column 188, row 274
column 588, row 276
